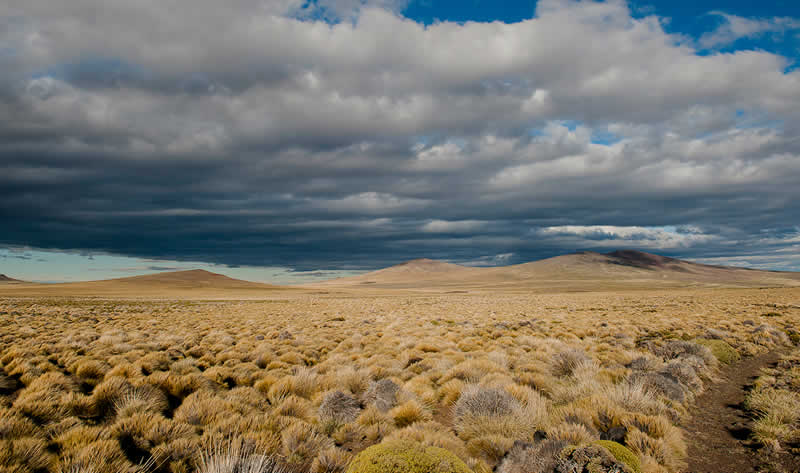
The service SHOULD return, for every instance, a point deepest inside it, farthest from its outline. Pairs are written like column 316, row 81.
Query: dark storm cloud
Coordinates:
column 251, row 133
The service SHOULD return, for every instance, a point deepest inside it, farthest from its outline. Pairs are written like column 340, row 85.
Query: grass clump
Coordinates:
column 488, row 402
column 776, row 410
column 592, row 459
column 339, row 407
column 622, row 453
column 566, row 362
column 236, row 459
column 721, row 350
column 403, row 456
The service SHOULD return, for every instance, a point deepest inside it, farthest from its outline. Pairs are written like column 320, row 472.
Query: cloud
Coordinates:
column 274, row 133
column 631, row 236
column 443, row 226
column 735, row 27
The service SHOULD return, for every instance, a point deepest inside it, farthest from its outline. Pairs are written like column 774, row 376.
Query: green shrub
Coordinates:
column 403, row 456
column 622, row 453
column 721, row 350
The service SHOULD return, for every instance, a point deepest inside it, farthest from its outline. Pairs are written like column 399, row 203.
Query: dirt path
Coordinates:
column 719, row 429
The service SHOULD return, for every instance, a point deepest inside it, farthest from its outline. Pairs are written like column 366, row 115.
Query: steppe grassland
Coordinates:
column 104, row 386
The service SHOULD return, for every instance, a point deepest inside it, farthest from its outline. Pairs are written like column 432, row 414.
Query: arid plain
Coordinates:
column 585, row 362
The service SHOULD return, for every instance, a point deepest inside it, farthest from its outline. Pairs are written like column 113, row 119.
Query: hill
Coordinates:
column 574, row 272
column 411, row 272
column 196, row 278
column 6, row 279
column 176, row 284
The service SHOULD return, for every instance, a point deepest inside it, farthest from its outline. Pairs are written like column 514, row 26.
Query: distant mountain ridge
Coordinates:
column 622, row 268
column 585, row 271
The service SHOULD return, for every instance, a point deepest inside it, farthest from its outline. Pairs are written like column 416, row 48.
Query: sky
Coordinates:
column 294, row 140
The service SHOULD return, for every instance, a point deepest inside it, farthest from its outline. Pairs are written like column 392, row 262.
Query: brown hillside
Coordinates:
column 178, row 284
column 579, row 271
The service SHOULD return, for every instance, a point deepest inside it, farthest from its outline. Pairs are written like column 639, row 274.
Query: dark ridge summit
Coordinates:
column 640, row 259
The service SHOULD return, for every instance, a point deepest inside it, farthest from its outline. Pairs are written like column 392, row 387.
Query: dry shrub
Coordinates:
column 331, row 460
column 669, row 452
column 144, row 431
column 293, row 406
column 633, row 397
column 302, row 384
column 202, row 408
column 27, row 454
column 124, row 370
column 432, row 434
column 373, row 418
column 78, row 437
column 98, row 456
column 184, row 385
column 776, row 412
column 48, row 398
column 592, row 458
column 566, row 362
column 490, row 448
column 683, row 373
column 245, row 399
column 382, row 393
column 106, row 394
column 301, row 443
column 486, row 412
column 154, row 361
column 540, row 457
column 339, row 407
column 573, row 434
column 408, row 413
column 674, row 349
column 178, row 454
column 234, row 458
column 450, row 391
column 184, row 366
column 13, row 425
column 91, row 370
column 353, row 381
column 145, row 398
column 659, row 384
column 490, row 402
column 264, row 384
column 7, row 383
column 471, row 371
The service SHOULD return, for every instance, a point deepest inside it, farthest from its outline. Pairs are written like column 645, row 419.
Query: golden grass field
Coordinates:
column 506, row 382
column 563, row 365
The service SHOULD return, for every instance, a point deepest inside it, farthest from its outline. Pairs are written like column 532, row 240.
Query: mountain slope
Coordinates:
column 183, row 284
column 410, row 273
column 579, row 271
column 196, row 278
column 6, row 279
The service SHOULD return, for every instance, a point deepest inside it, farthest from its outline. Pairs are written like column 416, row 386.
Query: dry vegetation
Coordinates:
column 775, row 405
column 507, row 383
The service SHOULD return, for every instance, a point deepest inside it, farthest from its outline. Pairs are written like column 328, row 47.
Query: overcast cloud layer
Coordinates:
column 342, row 135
